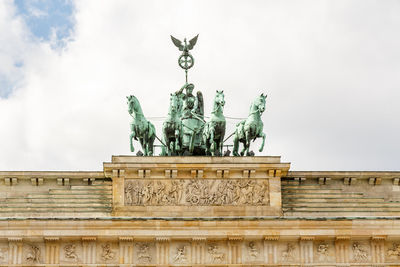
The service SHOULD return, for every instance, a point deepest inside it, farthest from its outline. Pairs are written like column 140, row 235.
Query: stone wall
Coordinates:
column 55, row 194
column 198, row 242
column 341, row 194
column 204, row 211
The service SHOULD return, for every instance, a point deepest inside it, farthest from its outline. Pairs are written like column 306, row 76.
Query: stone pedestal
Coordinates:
column 196, row 186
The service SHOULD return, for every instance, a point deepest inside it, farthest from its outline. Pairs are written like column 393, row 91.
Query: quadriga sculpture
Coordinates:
column 172, row 126
column 251, row 128
column 141, row 128
column 214, row 130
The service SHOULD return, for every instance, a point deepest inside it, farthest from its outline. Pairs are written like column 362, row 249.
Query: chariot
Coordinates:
column 185, row 131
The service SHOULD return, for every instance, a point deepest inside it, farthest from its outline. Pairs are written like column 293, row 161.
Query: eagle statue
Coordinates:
column 184, row 46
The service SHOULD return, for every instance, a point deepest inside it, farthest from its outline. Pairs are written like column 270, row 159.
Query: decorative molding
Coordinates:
column 343, row 238
column 89, row 238
column 271, row 237
column 14, row 239
column 162, row 239
column 125, row 239
column 307, row 238
column 51, row 239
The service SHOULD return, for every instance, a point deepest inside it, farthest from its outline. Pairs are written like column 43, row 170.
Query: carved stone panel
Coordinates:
column 195, row 192
column 324, row 251
column 4, row 253
column 393, row 252
column 216, row 253
column 71, row 252
column 360, row 252
column 180, row 253
column 289, row 252
column 252, row 251
column 33, row 253
column 144, row 253
column 107, row 252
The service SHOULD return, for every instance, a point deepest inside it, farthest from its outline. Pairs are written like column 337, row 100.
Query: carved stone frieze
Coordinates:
column 253, row 251
column 179, row 252
column 393, row 253
column 215, row 253
column 70, row 252
column 195, row 192
column 33, row 254
column 360, row 252
column 180, row 255
column 107, row 253
column 323, row 252
column 3, row 254
column 289, row 254
column 143, row 253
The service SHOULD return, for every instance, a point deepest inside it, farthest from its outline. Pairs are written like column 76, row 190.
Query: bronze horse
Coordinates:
column 214, row 130
column 172, row 126
column 141, row 129
column 251, row 128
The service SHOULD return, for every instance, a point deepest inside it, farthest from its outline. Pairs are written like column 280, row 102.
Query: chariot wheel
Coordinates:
column 186, row 61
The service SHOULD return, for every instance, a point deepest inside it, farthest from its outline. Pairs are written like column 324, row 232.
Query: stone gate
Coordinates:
column 203, row 211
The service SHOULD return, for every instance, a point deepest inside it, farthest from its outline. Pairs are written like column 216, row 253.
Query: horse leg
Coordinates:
column 131, row 142
column 221, row 141
column 248, row 139
column 171, row 148
column 167, row 141
column 150, row 147
column 142, row 143
column 244, row 148
column 212, row 143
column 206, row 145
column 235, row 145
column 177, row 146
column 217, row 146
column 263, row 142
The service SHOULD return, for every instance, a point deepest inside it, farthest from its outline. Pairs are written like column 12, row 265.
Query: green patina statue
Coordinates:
column 251, row 128
column 172, row 126
column 141, row 129
column 186, row 60
column 191, row 121
column 185, row 131
column 214, row 130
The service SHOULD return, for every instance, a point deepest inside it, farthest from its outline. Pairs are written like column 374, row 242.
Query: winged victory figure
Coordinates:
column 184, row 46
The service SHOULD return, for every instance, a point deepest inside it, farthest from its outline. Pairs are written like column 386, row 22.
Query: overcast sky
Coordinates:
column 331, row 70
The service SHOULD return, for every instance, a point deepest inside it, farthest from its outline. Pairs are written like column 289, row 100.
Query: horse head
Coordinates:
column 259, row 104
column 174, row 104
column 219, row 100
column 133, row 105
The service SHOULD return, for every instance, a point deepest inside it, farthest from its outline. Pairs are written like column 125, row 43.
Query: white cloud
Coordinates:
column 330, row 68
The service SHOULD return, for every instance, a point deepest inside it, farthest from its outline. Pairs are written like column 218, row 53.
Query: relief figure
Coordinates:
column 143, row 254
column 322, row 252
column 180, row 255
column 70, row 252
column 288, row 254
column 253, row 250
column 359, row 252
column 33, row 254
column 107, row 253
column 215, row 254
column 394, row 252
